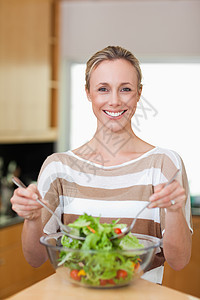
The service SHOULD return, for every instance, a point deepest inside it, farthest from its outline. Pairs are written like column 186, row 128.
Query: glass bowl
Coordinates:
column 100, row 268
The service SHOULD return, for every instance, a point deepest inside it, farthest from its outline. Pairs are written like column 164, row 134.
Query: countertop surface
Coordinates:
column 54, row 288
column 6, row 220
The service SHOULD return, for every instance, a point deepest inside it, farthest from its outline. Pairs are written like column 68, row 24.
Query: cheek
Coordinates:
column 131, row 103
column 96, row 105
column 132, row 111
column 98, row 101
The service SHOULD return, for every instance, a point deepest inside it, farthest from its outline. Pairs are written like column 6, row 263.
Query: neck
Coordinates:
column 111, row 143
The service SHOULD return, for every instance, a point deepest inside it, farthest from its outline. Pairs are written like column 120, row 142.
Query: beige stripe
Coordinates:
column 184, row 178
column 186, row 187
column 52, row 197
column 73, row 190
column 154, row 160
column 142, row 226
column 138, row 192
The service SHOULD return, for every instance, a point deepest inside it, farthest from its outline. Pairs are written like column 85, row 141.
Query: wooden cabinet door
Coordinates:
column 15, row 273
column 24, row 67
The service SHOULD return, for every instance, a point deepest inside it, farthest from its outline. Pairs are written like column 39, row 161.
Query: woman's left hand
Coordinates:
column 172, row 197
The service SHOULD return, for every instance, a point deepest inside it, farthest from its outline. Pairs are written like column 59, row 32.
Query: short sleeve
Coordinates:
column 170, row 163
column 48, row 188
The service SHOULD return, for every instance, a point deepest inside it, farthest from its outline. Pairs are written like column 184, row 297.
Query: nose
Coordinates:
column 114, row 99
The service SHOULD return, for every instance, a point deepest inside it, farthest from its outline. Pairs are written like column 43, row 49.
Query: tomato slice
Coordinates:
column 121, row 274
column 103, row 282
column 117, row 230
column 74, row 275
column 110, row 281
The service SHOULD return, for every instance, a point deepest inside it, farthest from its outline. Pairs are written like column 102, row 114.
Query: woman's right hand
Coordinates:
column 24, row 202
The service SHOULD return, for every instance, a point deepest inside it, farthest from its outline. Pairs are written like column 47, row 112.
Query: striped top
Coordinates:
column 74, row 186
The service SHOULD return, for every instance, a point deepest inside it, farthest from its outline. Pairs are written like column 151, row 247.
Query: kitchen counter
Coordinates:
column 54, row 288
column 195, row 211
column 6, row 220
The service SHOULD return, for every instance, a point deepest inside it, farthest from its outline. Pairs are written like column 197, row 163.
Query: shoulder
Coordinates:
column 55, row 166
column 55, row 162
column 168, row 155
column 59, row 157
column 165, row 163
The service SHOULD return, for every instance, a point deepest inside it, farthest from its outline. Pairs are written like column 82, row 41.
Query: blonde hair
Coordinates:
column 112, row 53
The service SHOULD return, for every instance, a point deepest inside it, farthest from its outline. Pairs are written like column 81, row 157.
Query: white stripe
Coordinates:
column 52, row 225
column 157, row 150
column 100, row 208
column 110, row 209
column 51, row 172
column 155, row 275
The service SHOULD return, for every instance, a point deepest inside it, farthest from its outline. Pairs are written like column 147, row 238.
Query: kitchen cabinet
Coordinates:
column 187, row 280
column 15, row 273
column 29, row 39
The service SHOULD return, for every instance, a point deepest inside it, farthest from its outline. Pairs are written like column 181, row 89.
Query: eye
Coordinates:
column 102, row 89
column 125, row 89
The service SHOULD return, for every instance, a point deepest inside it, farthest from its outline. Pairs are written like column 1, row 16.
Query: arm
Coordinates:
column 34, row 252
column 23, row 202
column 177, row 240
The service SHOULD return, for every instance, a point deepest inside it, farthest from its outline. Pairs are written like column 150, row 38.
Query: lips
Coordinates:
column 114, row 114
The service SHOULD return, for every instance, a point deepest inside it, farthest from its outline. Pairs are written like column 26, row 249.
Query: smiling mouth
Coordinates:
column 115, row 114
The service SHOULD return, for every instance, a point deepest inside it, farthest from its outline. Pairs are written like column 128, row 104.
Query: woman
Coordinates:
column 114, row 174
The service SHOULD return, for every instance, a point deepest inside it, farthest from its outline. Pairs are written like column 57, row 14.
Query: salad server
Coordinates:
column 64, row 228
column 126, row 230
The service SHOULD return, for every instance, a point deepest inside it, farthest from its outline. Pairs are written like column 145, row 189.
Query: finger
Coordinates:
column 26, row 193
column 178, row 196
column 25, row 208
column 166, row 190
column 24, row 211
column 178, row 203
column 34, row 189
column 28, row 214
column 25, row 201
column 158, row 187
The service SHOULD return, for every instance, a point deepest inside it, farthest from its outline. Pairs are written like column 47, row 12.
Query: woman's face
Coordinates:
column 114, row 94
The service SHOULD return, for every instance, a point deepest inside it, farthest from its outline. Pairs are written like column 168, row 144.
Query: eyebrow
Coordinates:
column 106, row 83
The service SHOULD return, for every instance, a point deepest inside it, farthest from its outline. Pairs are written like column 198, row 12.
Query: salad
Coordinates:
column 105, row 264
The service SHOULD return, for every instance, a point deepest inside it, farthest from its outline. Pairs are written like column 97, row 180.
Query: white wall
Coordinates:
column 159, row 30
column 150, row 29
column 156, row 30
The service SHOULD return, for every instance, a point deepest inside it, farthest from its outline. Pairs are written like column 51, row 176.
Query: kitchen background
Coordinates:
column 41, row 43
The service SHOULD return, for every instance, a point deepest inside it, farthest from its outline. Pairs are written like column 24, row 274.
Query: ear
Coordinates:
column 88, row 94
column 139, row 93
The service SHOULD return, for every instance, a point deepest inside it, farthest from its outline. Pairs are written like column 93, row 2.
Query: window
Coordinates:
column 167, row 114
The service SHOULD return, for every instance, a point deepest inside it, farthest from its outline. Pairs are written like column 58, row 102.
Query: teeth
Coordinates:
column 113, row 114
